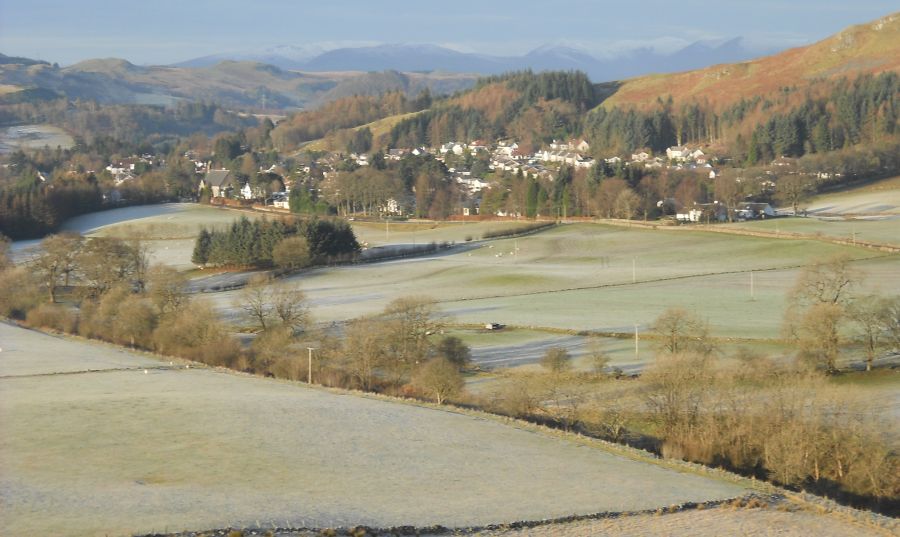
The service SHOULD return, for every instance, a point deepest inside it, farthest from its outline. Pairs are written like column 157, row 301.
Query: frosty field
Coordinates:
column 580, row 278
column 122, row 451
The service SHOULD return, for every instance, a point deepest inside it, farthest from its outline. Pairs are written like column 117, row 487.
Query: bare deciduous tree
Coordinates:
column 364, row 350
column 290, row 306
column 167, row 288
column 255, row 300
column 407, row 323
column 104, row 262
column 874, row 316
column 793, row 189
column 680, row 331
column 556, row 360
column 440, row 378
column 58, row 259
column 818, row 334
column 597, row 357
column 826, row 281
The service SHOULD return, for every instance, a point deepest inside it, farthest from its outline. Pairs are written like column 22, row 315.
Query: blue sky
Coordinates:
column 166, row 31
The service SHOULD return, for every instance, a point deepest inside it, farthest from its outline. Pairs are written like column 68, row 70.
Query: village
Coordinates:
column 476, row 172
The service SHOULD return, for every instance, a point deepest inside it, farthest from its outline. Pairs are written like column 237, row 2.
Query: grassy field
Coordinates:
column 875, row 198
column 880, row 230
column 33, row 137
column 136, row 448
column 167, row 230
column 380, row 233
column 579, row 277
column 590, row 277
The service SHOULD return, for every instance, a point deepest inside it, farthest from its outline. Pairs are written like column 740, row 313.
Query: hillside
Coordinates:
column 234, row 84
column 867, row 48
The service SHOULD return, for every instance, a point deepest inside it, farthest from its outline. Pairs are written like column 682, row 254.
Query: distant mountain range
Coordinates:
column 406, row 57
column 286, row 78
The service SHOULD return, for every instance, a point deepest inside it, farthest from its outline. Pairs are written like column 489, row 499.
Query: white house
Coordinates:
column 692, row 215
column 217, row 181
column 678, row 153
column 640, row 157
column 584, row 162
column 246, row 191
column 392, row 206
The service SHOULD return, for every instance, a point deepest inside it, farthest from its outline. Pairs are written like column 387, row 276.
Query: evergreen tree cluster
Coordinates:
column 250, row 243
column 572, row 86
column 37, row 210
column 840, row 114
column 508, row 105
column 864, row 110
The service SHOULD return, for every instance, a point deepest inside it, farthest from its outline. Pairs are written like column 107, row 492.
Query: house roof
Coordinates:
column 218, row 177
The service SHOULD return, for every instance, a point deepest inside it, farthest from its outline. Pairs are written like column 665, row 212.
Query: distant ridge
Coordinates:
column 426, row 57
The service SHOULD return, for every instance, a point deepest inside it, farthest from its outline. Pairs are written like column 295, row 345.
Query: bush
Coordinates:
column 196, row 333
column 54, row 317
column 291, row 253
column 19, row 293
column 556, row 360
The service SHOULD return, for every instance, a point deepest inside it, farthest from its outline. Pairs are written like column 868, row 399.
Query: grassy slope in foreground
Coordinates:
column 121, row 452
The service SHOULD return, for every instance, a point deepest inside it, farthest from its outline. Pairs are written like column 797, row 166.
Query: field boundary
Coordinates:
column 639, row 282
column 785, row 235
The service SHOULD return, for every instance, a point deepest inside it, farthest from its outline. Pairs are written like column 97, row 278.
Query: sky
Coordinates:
column 168, row 31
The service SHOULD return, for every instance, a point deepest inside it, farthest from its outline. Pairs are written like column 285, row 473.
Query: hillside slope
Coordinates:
column 229, row 83
column 867, row 48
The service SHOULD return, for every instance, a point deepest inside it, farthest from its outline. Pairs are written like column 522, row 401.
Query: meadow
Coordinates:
column 584, row 278
column 101, row 441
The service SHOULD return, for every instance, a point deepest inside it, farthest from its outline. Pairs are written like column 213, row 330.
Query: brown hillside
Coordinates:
column 867, row 48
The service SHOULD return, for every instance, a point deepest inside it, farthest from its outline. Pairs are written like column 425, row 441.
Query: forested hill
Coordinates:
column 530, row 107
column 870, row 48
column 837, row 94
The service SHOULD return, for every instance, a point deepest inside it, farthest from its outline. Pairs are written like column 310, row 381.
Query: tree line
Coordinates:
column 832, row 115
column 264, row 243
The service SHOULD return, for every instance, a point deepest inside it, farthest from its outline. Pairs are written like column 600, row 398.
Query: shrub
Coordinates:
column 54, row 317
column 19, row 293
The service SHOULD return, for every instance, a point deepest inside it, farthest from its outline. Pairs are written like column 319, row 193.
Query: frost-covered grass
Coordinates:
column 167, row 230
column 881, row 230
column 124, row 452
column 579, row 277
column 33, row 137
column 378, row 233
column 875, row 198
